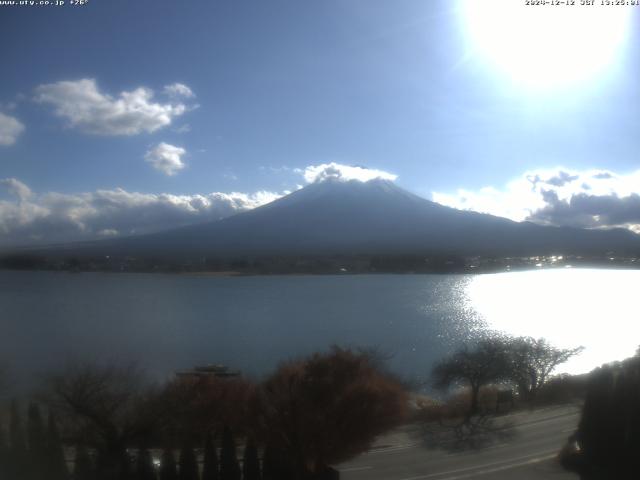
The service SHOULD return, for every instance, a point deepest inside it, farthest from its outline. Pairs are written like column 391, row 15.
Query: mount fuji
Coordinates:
column 375, row 217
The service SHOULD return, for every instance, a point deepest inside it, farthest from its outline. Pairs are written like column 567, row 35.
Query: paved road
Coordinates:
column 528, row 453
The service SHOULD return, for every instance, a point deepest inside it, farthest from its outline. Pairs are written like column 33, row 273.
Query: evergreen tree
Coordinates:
column 126, row 467
column 229, row 467
column 18, row 448
column 210, row 467
column 275, row 465
column 144, row 466
column 269, row 467
column 113, row 464
column 188, row 463
column 609, row 431
column 37, row 442
column 251, row 462
column 4, row 454
column 168, row 469
column 105, row 469
column 55, row 461
column 83, row 469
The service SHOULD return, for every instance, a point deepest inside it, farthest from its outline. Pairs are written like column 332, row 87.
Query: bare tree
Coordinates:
column 104, row 407
column 484, row 363
column 328, row 408
column 533, row 361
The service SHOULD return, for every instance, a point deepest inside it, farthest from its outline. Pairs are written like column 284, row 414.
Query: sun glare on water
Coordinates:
column 542, row 46
column 571, row 307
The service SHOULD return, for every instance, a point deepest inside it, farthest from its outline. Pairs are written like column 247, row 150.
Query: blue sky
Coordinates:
column 258, row 92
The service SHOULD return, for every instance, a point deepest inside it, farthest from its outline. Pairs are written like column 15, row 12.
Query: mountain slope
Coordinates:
column 376, row 217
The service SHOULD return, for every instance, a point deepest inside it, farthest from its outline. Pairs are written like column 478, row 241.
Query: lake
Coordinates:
column 170, row 322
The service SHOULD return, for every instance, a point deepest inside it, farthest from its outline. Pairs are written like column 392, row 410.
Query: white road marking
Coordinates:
column 356, row 469
column 505, row 467
column 522, row 462
column 464, row 452
column 394, row 448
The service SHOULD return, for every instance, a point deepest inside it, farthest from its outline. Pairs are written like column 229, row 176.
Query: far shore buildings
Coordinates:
column 208, row 371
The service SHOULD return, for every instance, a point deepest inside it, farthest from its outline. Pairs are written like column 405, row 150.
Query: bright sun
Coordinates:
column 546, row 46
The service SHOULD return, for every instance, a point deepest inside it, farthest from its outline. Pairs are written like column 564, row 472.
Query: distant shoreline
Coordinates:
column 238, row 273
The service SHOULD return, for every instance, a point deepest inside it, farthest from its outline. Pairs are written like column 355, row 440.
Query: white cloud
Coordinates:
column 178, row 90
column 85, row 107
column 28, row 217
column 10, row 129
column 166, row 158
column 337, row 171
column 561, row 197
column 16, row 188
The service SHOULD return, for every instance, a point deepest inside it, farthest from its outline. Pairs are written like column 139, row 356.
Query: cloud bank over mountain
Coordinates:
column 560, row 197
column 337, row 171
column 587, row 199
column 29, row 218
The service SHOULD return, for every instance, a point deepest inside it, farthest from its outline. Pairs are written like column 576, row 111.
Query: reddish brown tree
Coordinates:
column 328, row 408
column 196, row 406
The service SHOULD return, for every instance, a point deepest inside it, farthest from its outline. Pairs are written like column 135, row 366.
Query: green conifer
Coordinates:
column 4, row 454
column 18, row 448
column 251, row 462
column 229, row 467
column 37, row 443
column 168, row 470
column 55, row 460
column 83, row 469
column 144, row 466
column 188, row 464
column 210, row 470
